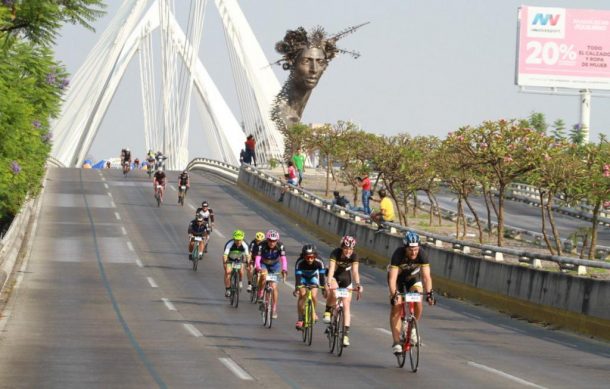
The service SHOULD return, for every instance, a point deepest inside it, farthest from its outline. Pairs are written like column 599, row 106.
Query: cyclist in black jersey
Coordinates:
column 258, row 239
column 342, row 270
column 197, row 228
column 409, row 267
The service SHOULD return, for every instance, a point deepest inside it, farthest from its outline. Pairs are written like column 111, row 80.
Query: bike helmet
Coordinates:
column 185, row 172
column 348, row 242
column 159, row 169
column 204, row 204
column 260, row 235
column 272, row 235
column 238, row 235
column 411, row 239
column 308, row 250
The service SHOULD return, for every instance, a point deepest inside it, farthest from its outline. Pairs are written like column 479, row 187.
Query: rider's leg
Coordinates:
column 301, row 303
column 347, row 309
column 314, row 297
column 261, row 281
column 228, row 275
column 191, row 245
column 330, row 299
column 201, row 247
column 419, row 307
column 395, row 313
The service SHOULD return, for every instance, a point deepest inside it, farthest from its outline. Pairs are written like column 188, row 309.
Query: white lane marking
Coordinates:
column 130, row 246
column 505, row 375
column 192, row 207
column 109, row 194
column 152, row 282
column 219, row 233
column 235, row 368
column 112, row 204
column 105, row 185
column 171, row 186
column 384, row 330
column 194, row 331
column 169, row 304
column 289, row 284
column 123, row 230
column 139, row 263
column 118, row 217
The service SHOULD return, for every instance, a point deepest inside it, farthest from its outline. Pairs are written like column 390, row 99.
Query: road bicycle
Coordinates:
column 336, row 329
column 254, row 285
column 268, row 301
column 126, row 168
column 159, row 194
column 234, row 289
column 196, row 255
column 181, row 194
column 410, row 336
column 309, row 310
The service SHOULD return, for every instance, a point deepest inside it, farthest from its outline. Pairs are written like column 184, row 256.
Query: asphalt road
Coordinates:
column 108, row 299
column 523, row 216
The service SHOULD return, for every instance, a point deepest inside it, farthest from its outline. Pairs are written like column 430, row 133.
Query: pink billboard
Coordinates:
column 563, row 48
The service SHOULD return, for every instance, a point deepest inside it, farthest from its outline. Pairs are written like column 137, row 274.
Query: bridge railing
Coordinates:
column 442, row 241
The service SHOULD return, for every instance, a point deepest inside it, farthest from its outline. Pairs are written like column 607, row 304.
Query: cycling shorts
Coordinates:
column 404, row 285
column 344, row 279
column 272, row 268
column 306, row 281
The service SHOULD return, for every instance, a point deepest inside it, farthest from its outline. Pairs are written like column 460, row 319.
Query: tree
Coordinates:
column 558, row 131
column 538, row 122
column 507, row 149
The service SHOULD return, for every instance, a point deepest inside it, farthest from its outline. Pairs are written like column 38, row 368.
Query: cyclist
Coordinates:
column 308, row 270
column 136, row 163
column 126, row 160
column 270, row 257
column 342, row 269
column 408, row 268
column 197, row 228
column 150, row 154
column 159, row 160
column 258, row 239
column 122, row 157
column 184, row 180
column 159, row 179
column 234, row 248
column 208, row 215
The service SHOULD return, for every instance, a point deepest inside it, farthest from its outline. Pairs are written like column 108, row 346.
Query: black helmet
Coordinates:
column 308, row 249
column 204, row 204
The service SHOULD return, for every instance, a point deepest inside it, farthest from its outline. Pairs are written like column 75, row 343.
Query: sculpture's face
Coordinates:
column 309, row 67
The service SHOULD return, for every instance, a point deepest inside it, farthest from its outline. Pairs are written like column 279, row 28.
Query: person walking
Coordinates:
column 299, row 162
column 365, row 183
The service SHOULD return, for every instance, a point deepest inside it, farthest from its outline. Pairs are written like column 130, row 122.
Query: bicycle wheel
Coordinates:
column 402, row 356
column 414, row 349
column 270, row 309
column 234, row 288
column 340, row 331
column 254, row 291
column 181, row 198
column 195, row 260
column 264, row 305
column 305, row 324
column 308, row 322
column 158, row 197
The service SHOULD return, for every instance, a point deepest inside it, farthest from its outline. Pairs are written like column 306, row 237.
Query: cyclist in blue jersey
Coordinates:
column 309, row 270
column 270, row 257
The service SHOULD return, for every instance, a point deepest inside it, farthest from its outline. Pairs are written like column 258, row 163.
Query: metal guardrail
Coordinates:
column 223, row 169
column 487, row 251
column 530, row 194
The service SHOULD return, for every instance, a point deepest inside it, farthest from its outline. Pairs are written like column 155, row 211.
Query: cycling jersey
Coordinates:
column 235, row 252
column 343, row 267
column 409, row 271
column 309, row 274
column 197, row 229
column 160, row 177
column 207, row 214
column 271, row 257
column 127, row 156
column 183, row 179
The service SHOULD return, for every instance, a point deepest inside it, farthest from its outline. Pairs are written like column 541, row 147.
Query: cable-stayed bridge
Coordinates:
column 182, row 75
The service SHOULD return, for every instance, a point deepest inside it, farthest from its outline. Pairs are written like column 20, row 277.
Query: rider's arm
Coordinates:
column 331, row 270
column 257, row 261
column 356, row 274
column 211, row 215
column 392, row 280
column 321, row 271
column 297, row 273
column 225, row 253
column 284, row 263
column 426, row 278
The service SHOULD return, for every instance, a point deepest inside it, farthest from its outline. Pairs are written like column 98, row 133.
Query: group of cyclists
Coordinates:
column 409, row 271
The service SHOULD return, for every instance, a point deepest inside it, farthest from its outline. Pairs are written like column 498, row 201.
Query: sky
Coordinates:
column 426, row 67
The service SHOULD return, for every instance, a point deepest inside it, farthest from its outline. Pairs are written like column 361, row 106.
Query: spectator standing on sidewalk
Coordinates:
column 386, row 212
column 250, row 150
column 299, row 162
column 365, row 182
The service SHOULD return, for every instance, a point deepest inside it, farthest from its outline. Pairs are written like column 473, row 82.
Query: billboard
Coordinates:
column 563, row 48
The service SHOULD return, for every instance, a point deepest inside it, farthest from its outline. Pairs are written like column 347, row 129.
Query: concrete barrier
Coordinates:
column 577, row 303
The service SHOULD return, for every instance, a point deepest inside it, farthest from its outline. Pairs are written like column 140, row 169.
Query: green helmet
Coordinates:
column 239, row 235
